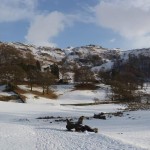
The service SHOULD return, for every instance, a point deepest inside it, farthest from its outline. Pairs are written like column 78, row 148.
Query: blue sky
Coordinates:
column 62, row 23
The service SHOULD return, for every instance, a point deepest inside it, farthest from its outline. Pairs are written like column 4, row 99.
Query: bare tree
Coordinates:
column 9, row 55
column 45, row 79
column 84, row 75
column 11, row 74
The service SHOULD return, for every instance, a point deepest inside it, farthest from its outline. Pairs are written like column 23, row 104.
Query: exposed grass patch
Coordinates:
column 8, row 98
column 21, row 92
column 87, row 86
column 50, row 95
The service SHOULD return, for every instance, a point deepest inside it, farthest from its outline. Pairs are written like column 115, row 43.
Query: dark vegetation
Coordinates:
column 134, row 106
column 7, row 98
column 87, row 86
column 83, row 75
column 17, row 69
column 126, row 78
column 97, row 103
column 100, row 115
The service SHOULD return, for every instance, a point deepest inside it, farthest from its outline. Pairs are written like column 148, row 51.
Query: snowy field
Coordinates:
column 21, row 130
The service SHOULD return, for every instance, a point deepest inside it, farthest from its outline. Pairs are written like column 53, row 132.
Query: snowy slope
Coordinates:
column 79, row 54
column 20, row 130
column 135, row 52
column 47, row 55
column 82, row 56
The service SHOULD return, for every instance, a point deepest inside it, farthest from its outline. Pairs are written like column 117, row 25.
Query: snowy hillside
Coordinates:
column 21, row 130
column 135, row 52
column 93, row 56
column 47, row 55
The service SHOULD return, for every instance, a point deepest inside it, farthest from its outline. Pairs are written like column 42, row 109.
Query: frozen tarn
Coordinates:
column 59, row 139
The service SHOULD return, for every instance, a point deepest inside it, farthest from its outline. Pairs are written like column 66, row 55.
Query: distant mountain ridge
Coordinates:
column 93, row 56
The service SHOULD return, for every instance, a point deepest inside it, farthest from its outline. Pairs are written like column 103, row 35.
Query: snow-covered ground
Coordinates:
column 68, row 95
column 20, row 130
column 2, row 93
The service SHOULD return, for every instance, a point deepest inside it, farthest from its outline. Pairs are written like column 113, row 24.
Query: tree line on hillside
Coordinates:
column 16, row 68
column 124, row 79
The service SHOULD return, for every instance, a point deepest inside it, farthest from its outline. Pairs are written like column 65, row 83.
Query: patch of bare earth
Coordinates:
column 21, row 92
column 8, row 98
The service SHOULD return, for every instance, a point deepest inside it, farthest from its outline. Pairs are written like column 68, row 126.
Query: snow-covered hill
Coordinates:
column 46, row 55
column 21, row 130
column 93, row 56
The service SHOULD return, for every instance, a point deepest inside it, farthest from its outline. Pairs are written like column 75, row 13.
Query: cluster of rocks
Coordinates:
column 101, row 115
column 56, row 119
column 79, row 127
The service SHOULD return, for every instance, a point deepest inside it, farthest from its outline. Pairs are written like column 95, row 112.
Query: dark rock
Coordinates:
column 60, row 120
column 79, row 127
column 100, row 116
column 46, row 117
column 120, row 114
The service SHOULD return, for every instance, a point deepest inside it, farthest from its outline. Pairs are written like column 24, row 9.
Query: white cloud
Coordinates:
column 14, row 10
column 47, row 26
column 129, row 18
column 43, row 27
column 112, row 40
column 141, row 42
